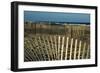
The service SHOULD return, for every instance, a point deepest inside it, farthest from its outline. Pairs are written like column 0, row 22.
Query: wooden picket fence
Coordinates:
column 54, row 47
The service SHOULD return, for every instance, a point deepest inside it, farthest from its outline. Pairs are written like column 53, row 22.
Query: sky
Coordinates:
column 36, row 16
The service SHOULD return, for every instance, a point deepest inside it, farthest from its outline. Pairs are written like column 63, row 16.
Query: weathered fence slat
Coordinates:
column 62, row 48
column 71, row 47
column 75, row 49
column 79, row 49
column 58, row 47
column 66, row 48
column 83, row 52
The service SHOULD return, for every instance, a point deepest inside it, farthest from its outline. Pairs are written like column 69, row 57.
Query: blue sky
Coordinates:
column 36, row 16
